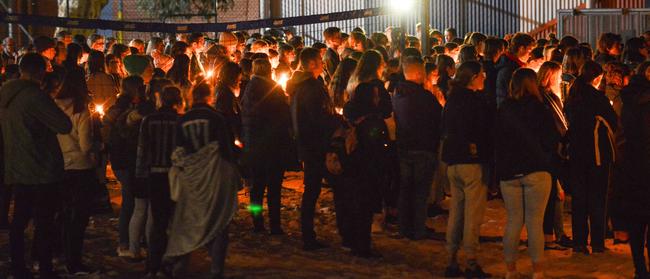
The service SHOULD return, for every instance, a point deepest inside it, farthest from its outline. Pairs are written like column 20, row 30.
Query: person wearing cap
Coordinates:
column 139, row 65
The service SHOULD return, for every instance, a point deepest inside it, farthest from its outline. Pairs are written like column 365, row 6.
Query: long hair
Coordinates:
column 632, row 51
column 74, row 87
column 154, row 44
column 228, row 75
column 444, row 63
column 523, row 85
column 337, row 88
column 96, row 62
column 366, row 70
column 545, row 73
column 588, row 73
column 572, row 61
column 179, row 73
column 467, row 53
column 74, row 53
column 465, row 74
column 133, row 88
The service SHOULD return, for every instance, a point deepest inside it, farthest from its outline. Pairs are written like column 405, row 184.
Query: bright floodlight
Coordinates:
column 402, row 6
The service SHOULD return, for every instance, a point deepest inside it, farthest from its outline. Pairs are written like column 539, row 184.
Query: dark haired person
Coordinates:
column 196, row 44
column 46, row 46
column 466, row 140
column 33, row 161
column 493, row 51
column 526, row 142
column 331, row 59
column 103, row 88
column 417, row 117
column 77, row 148
column 635, row 52
column 156, row 142
column 592, row 123
column 358, row 41
column 205, row 145
column 608, row 48
column 636, row 162
column 446, row 70
column 450, row 34
column 516, row 57
column 312, row 116
column 227, row 94
column 266, row 123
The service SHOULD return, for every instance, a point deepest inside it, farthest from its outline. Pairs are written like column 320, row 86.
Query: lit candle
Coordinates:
column 339, row 111
column 209, row 74
column 239, row 143
column 99, row 109
column 282, row 81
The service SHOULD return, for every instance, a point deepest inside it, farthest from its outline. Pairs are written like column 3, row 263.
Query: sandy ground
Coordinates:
column 260, row 256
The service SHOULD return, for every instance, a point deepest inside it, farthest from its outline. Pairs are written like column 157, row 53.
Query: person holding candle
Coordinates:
column 227, row 96
column 265, row 134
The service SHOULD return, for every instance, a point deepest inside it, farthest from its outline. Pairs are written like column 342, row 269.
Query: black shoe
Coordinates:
column 618, row 241
column 314, row 245
column 453, row 271
column 367, row 254
column 565, row 241
column 276, row 232
column 581, row 249
column 554, row 246
column 476, row 272
column 599, row 250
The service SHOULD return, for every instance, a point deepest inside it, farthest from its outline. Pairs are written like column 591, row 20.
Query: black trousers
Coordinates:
column 267, row 177
column 5, row 199
column 314, row 171
column 77, row 195
column 353, row 202
column 639, row 230
column 38, row 202
column 549, row 212
column 589, row 203
column 162, row 208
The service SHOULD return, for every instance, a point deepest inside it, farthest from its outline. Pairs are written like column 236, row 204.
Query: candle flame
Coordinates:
column 339, row 111
column 209, row 74
column 99, row 108
column 239, row 143
column 282, row 81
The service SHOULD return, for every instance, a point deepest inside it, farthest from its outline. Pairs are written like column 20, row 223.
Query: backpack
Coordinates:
column 342, row 144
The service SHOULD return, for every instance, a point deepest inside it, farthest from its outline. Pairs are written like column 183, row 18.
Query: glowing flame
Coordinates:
column 209, row 74
column 339, row 111
column 99, row 108
column 239, row 143
column 282, row 81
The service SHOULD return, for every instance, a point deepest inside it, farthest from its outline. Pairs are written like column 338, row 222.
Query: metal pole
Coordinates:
column 120, row 7
column 424, row 28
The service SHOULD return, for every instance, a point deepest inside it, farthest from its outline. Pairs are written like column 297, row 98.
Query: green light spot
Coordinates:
column 255, row 209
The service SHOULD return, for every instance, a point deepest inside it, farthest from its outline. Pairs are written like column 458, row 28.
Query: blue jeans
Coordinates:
column 416, row 175
column 128, row 203
column 525, row 199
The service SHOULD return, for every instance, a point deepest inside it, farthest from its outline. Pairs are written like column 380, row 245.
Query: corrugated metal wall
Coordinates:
column 492, row 17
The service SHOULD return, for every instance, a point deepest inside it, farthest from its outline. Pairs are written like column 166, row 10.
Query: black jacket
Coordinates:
column 312, row 114
column 156, row 142
column 266, row 122
column 490, row 88
column 604, row 58
column 364, row 95
column 331, row 60
column 636, row 163
column 505, row 67
column 124, row 119
column 467, row 128
column 526, row 138
column 203, row 125
column 228, row 105
column 588, row 109
column 417, row 117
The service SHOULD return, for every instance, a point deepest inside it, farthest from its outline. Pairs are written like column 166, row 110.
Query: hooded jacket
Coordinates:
column 30, row 121
column 77, row 145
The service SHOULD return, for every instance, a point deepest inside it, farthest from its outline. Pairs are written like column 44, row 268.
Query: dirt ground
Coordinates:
column 260, row 256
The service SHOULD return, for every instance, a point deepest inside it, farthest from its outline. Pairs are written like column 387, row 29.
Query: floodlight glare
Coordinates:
column 402, row 6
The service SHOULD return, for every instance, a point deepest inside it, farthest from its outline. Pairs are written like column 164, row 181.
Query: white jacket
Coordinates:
column 77, row 145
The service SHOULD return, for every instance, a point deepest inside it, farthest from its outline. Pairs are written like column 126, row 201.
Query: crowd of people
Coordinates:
column 187, row 121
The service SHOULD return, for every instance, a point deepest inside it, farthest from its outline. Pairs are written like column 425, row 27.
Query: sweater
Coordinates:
column 417, row 115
